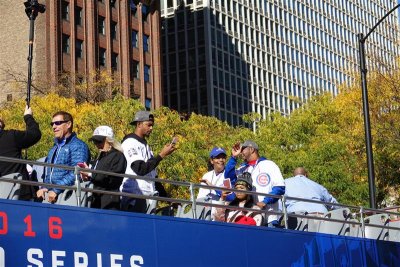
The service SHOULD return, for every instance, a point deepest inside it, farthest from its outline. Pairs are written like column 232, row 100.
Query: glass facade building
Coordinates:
column 226, row 58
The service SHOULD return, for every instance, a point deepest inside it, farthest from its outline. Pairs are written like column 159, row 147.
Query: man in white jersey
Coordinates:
column 141, row 162
column 266, row 175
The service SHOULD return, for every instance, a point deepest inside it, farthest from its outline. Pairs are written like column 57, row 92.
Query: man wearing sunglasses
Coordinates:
column 68, row 150
column 11, row 144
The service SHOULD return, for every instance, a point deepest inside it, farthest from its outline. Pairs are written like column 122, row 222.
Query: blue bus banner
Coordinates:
column 35, row 234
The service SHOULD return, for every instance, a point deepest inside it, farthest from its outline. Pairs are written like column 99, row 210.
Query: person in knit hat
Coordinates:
column 243, row 199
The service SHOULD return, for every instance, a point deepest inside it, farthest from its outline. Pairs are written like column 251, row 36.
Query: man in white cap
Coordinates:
column 266, row 175
column 141, row 162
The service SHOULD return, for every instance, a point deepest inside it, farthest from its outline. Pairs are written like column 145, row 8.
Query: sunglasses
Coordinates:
column 58, row 123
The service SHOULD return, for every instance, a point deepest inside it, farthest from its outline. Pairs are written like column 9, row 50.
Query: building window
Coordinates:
column 65, row 10
column 114, row 30
column 102, row 57
column 78, row 16
column 9, row 97
column 114, row 61
column 146, row 41
column 133, row 8
column 147, row 104
column 145, row 12
column 102, row 25
column 65, row 44
column 134, row 39
column 146, row 73
column 135, row 69
column 79, row 48
column 112, row 3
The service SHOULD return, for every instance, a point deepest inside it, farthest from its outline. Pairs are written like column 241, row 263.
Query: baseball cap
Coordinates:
column 101, row 132
column 246, row 180
column 142, row 115
column 249, row 143
column 217, row 151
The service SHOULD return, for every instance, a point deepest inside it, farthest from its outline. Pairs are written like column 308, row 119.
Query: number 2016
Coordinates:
column 54, row 223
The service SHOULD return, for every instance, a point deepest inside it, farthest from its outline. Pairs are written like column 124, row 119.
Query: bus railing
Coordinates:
column 358, row 215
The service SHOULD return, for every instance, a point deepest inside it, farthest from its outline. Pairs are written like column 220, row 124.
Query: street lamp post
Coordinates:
column 367, row 126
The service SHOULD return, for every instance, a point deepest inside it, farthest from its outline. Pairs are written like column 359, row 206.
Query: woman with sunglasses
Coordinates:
column 111, row 159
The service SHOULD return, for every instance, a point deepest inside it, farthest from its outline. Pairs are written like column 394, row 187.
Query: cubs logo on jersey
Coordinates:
column 263, row 179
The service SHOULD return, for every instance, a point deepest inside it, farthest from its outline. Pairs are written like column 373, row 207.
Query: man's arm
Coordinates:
column 326, row 197
column 276, row 190
column 230, row 170
column 142, row 168
column 32, row 134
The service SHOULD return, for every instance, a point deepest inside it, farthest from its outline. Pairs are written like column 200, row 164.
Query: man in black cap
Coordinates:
column 141, row 162
column 11, row 144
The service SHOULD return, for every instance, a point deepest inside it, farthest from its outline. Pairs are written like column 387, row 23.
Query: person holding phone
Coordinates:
column 141, row 162
column 216, row 175
column 111, row 159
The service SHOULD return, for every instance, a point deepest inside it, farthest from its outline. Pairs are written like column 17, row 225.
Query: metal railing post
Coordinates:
column 362, row 222
column 266, row 215
column 285, row 215
column 78, row 185
column 193, row 199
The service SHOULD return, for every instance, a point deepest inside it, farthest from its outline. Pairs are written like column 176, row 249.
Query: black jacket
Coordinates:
column 112, row 161
column 11, row 144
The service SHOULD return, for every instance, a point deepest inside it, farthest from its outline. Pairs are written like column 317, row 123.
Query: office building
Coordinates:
column 226, row 58
column 78, row 38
